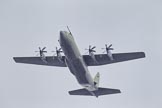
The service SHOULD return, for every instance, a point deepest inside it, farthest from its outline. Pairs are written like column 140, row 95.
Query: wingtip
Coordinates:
column 144, row 55
column 15, row 59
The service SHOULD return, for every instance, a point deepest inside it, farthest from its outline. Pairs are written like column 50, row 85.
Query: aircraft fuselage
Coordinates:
column 75, row 61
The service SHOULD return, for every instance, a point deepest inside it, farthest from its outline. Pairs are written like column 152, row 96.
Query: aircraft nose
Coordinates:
column 61, row 34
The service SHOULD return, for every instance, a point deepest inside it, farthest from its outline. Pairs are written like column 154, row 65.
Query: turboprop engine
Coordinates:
column 58, row 53
column 108, row 51
column 91, row 52
column 41, row 53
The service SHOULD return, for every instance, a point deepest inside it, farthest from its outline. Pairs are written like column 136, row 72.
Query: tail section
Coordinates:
column 97, row 79
column 99, row 92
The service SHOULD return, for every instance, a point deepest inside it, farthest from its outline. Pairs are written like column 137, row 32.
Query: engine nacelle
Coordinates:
column 108, row 51
column 43, row 58
column 109, row 54
column 59, row 56
column 92, row 55
column 42, row 55
column 91, row 52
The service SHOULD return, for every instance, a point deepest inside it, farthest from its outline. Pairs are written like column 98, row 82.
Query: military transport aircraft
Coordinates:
column 78, row 64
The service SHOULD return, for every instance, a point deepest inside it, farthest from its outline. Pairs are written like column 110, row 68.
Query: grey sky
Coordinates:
column 130, row 25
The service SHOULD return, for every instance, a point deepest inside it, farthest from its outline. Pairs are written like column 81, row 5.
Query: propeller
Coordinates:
column 58, row 51
column 41, row 51
column 91, row 49
column 108, row 48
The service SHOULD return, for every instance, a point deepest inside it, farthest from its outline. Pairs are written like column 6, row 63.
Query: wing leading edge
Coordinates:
column 103, row 59
column 49, row 61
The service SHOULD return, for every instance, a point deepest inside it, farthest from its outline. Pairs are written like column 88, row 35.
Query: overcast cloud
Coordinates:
column 130, row 25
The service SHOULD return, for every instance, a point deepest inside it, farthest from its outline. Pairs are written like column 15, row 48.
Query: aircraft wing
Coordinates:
column 49, row 61
column 103, row 59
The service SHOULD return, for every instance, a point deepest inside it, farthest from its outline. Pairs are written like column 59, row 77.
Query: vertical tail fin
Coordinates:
column 97, row 79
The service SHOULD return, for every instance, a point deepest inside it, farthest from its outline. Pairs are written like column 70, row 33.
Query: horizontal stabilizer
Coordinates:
column 100, row 91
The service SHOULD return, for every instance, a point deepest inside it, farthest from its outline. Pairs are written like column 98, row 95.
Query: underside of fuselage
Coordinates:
column 75, row 62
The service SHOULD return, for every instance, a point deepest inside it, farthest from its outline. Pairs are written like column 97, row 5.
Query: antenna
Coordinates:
column 69, row 30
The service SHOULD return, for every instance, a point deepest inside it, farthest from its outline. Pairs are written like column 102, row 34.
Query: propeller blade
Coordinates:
column 39, row 48
column 60, row 49
column 93, row 51
column 89, row 46
column 110, row 45
column 44, row 51
column 111, row 48
column 93, row 47
column 57, row 51
column 44, row 48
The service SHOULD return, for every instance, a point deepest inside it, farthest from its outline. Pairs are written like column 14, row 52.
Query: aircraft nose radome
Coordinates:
column 61, row 33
